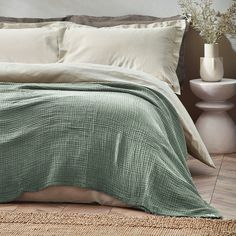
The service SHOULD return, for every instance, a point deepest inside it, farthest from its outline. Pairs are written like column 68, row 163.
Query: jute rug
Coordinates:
column 69, row 224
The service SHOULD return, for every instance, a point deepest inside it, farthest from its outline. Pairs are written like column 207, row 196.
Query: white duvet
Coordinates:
column 76, row 73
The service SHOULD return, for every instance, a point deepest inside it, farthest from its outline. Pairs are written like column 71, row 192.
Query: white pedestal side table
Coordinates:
column 215, row 126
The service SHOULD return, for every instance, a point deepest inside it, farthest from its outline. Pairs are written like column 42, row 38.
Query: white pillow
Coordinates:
column 152, row 48
column 29, row 45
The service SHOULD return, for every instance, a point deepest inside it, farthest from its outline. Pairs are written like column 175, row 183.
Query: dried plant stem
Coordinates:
column 211, row 25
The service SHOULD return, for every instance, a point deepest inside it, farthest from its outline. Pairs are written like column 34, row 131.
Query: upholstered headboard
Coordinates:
column 194, row 46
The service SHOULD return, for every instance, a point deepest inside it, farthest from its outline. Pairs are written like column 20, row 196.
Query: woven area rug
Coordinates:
column 68, row 224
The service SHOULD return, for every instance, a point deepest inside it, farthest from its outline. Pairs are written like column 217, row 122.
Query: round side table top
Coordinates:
column 214, row 91
column 224, row 81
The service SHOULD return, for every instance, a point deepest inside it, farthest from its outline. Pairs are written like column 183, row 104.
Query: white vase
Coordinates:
column 211, row 65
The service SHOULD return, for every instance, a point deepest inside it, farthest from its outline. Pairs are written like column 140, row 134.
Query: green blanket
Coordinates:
column 121, row 139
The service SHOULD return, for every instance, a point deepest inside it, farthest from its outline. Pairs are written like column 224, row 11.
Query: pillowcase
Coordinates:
column 29, row 45
column 107, row 21
column 152, row 48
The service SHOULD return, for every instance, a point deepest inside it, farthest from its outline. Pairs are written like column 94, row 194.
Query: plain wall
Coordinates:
column 54, row 8
column 162, row 8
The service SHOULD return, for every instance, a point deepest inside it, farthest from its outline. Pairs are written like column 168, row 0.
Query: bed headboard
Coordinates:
column 194, row 45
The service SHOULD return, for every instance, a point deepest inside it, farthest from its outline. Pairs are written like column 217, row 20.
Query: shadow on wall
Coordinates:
column 194, row 49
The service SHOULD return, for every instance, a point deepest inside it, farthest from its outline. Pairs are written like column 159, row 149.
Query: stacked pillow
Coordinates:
column 30, row 45
column 142, row 43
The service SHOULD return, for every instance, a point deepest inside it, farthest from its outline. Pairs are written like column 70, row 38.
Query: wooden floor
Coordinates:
column 216, row 186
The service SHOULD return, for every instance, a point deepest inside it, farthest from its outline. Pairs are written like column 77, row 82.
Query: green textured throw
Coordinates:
column 121, row 139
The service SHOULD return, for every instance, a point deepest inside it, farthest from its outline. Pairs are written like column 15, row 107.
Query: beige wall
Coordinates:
column 194, row 48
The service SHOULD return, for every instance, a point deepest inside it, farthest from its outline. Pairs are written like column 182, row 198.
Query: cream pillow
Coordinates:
column 29, row 45
column 152, row 48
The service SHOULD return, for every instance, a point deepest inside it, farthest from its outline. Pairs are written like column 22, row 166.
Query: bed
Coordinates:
column 89, row 113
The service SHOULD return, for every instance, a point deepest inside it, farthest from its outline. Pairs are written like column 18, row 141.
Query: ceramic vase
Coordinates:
column 211, row 65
